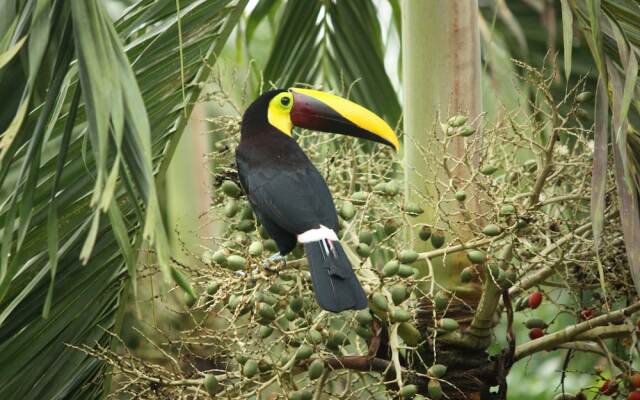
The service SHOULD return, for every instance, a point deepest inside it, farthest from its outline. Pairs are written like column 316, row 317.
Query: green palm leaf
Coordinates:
column 77, row 170
column 333, row 43
column 612, row 29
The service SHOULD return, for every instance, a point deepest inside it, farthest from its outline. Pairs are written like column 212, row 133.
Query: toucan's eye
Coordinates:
column 285, row 101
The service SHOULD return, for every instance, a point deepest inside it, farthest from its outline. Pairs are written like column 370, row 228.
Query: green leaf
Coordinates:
column 104, row 146
column 8, row 55
column 262, row 9
column 337, row 44
column 599, row 170
column 567, row 36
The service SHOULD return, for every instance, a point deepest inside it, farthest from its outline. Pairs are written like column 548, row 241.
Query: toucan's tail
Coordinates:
column 334, row 282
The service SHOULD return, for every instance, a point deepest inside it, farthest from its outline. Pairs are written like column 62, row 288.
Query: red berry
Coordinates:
column 609, row 387
column 635, row 380
column 634, row 396
column 536, row 333
column 534, row 300
column 586, row 314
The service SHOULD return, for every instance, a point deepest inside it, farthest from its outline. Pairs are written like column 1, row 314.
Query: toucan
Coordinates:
column 288, row 194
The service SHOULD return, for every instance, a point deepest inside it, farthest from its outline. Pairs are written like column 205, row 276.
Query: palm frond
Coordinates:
column 612, row 30
column 331, row 43
column 77, row 166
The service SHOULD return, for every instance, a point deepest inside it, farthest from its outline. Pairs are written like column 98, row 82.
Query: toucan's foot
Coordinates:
column 270, row 263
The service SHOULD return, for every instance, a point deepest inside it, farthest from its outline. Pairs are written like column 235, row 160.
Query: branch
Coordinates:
column 570, row 333
column 482, row 323
column 360, row 363
column 543, row 273
column 593, row 348
column 606, row 332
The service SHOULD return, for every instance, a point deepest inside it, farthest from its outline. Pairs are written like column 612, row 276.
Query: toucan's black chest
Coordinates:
column 283, row 186
column 271, row 149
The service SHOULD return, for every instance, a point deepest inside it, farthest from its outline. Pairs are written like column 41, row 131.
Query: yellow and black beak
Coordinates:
column 320, row 111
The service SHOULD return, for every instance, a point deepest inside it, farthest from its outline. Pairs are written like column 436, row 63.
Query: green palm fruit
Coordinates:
column 270, row 245
column 364, row 317
column 364, row 332
column 347, row 211
column 399, row 294
column 488, row 169
column 507, row 209
column 437, row 371
column 246, row 225
column 266, row 312
column 236, row 262
column 392, row 188
column 265, row 297
column 457, row 120
column 391, row 268
column 189, row 300
column 535, row 323
column 437, row 239
column 256, row 248
column 466, row 275
column 408, row 256
column 467, row 131
column 448, row 324
column 211, row 384
column 363, row 250
column 250, row 368
column 359, row 198
column 413, row 209
column 220, row 257
column 314, row 336
column 316, row 368
column 265, row 331
column 584, row 97
column 476, row 256
column 380, row 301
column 424, row 233
column 296, row 304
column 390, row 226
column 434, row 389
column 491, row 230
column 365, row 237
column 305, row 351
column 406, row 271
column 400, row 315
column 408, row 391
column 231, row 189
column 409, row 334
column 231, row 208
column 213, row 288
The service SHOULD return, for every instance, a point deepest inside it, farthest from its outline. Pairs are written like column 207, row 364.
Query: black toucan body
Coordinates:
column 289, row 196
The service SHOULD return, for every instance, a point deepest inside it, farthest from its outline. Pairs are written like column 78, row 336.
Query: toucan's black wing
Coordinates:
column 295, row 198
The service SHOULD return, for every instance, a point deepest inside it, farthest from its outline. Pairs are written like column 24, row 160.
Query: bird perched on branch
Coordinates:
column 289, row 196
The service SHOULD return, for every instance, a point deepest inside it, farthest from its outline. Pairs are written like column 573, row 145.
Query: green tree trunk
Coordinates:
column 441, row 78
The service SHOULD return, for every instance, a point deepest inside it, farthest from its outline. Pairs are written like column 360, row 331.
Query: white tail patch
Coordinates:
column 314, row 235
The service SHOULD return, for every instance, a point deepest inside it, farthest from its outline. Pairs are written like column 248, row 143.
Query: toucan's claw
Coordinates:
column 269, row 264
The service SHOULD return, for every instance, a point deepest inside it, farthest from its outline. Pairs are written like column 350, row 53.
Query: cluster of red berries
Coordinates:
column 534, row 301
column 610, row 387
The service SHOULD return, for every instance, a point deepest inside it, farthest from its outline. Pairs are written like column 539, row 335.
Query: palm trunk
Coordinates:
column 442, row 78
